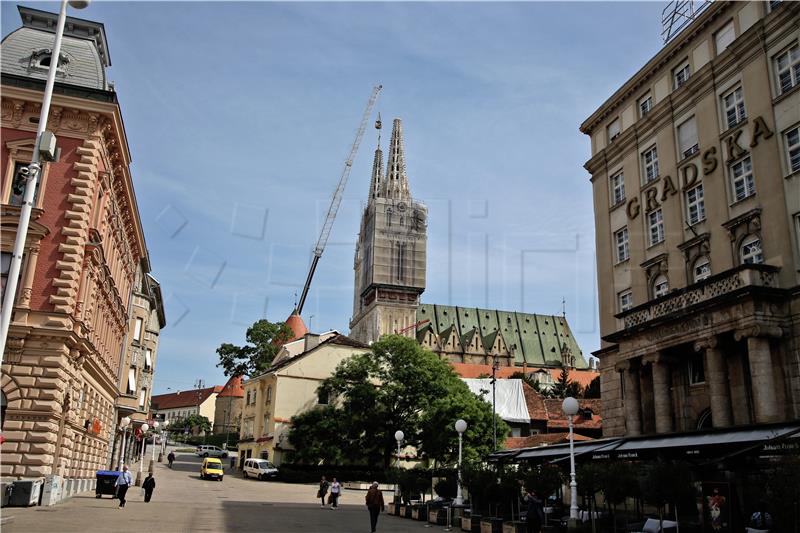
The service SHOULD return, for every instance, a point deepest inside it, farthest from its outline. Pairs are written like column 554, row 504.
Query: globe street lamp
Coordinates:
column 155, row 428
column 398, row 436
column 34, row 170
column 570, row 407
column 461, row 427
column 144, row 429
column 123, row 425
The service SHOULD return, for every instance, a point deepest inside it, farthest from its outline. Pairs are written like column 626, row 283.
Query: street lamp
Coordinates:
column 34, row 170
column 144, row 429
column 461, row 427
column 123, row 425
column 398, row 436
column 155, row 428
column 570, row 407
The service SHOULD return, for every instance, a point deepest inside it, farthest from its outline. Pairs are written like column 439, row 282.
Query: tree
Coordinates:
column 564, row 386
column 194, row 422
column 398, row 385
column 543, row 391
column 264, row 339
column 592, row 390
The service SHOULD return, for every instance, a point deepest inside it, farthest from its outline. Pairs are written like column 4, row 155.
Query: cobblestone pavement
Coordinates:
column 182, row 502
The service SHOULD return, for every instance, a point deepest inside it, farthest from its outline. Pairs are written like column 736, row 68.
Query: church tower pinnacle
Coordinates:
column 390, row 259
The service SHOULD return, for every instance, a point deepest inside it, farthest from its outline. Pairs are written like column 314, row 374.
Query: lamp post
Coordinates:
column 494, row 416
column 123, row 424
column 34, row 170
column 144, row 429
column 461, row 427
column 155, row 428
column 398, row 436
column 570, row 408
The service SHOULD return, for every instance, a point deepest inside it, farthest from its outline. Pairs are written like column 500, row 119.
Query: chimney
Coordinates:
column 311, row 341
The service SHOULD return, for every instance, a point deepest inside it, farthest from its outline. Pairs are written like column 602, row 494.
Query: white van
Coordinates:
column 260, row 469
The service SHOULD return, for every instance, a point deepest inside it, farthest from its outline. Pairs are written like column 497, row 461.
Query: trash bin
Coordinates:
column 25, row 492
column 105, row 483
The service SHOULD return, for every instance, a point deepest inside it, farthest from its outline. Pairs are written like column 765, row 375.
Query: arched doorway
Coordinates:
column 704, row 420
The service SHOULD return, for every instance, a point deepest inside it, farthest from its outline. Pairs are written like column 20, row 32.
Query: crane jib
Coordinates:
column 336, row 200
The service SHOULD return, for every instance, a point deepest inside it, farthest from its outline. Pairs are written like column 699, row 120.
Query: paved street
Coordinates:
column 184, row 502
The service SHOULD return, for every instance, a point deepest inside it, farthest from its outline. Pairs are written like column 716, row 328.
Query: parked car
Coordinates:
column 211, row 469
column 260, row 469
column 211, row 451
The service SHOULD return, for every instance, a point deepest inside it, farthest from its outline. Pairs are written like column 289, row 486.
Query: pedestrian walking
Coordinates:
column 534, row 511
column 124, row 480
column 171, row 458
column 323, row 490
column 374, row 504
column 336, row 491
column 761, row 519
column 148, row 485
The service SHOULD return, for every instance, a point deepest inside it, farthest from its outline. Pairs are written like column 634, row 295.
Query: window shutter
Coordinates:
column 687, row 135
column 725, row 37
column 131, row 380
column 148, row 358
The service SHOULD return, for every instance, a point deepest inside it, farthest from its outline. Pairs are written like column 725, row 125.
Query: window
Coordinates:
column 265, row 425
column 774, row 4
column 645, row 105
column 621, row 241
column 681, row 75
column 18, row 182
column 660, row 286
column 733, row 105
column 655, row 222
column 142, row 396
column 625, row 301
column 269, row 394
column 687, row 138
column 788, row 68
column 5, row 268
column 618, row 188
column 650, row 164
column 322, row 397
column 131, row 380
column 400, row 260
column 695, row 206
column 247, row 398
column 137, row 330
column 701, row 269
column 697, row 374
column 148, row 359
column 793, row 148
column 751, row 251
column 613, row 130
column 725, row 37
column 742, row 176
column 389, row 217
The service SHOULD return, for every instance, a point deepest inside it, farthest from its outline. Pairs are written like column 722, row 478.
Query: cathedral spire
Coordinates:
column 377, row 166
column 395, row 186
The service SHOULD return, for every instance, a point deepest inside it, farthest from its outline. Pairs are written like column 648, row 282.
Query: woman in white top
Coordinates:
column 336, row 490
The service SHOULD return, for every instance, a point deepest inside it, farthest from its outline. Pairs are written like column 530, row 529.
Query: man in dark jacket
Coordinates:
column 148, row 485
column 171, row 458
column 374, row 504
column 534, row 511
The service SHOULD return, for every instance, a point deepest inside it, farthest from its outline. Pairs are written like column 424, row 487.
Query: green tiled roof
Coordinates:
column 534, row 339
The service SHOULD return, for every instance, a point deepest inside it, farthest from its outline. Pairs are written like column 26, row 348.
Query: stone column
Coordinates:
column 761, row 375
column 717, row 379
column 633, row 400
column 662, row 399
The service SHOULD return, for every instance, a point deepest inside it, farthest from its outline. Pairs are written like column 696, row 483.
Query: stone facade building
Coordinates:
column 696, row 179
column 61, row 368
column 228, row 409
column 181, row 404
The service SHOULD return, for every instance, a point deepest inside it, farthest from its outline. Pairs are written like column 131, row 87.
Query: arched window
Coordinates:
column 750, row 251
column 701, row 269
column 269, row 394
column 389, row 217
column 660, row 286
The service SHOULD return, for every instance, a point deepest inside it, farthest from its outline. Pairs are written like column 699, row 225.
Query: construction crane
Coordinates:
column 336, row 200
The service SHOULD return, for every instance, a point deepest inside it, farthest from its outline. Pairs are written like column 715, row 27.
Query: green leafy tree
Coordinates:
column 666, row 483
column 619, row 482
column 564, row 386
column 398, row 385
column 316, row 437
column 195, row 423
column 264, row 339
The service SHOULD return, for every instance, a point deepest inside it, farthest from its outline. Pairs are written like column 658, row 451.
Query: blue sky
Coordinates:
column 240, row 115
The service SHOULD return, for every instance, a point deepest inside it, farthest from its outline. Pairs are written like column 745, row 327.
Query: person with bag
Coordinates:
column 148, row 486
column 375, row 505
column 171, row 458
column 124, row 480
column 336, row 491
column 323, row 490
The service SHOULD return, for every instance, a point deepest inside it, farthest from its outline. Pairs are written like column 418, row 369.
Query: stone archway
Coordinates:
column 704, row 420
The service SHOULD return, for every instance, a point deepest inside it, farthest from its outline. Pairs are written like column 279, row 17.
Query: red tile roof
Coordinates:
column 556, row 418
column 232, row 388
column 542, row 439
column 187, row 398
column 468, row 370
column 298, row 326
column 535, row 402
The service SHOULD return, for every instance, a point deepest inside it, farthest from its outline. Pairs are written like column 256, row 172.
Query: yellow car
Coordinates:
column 211, row 469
